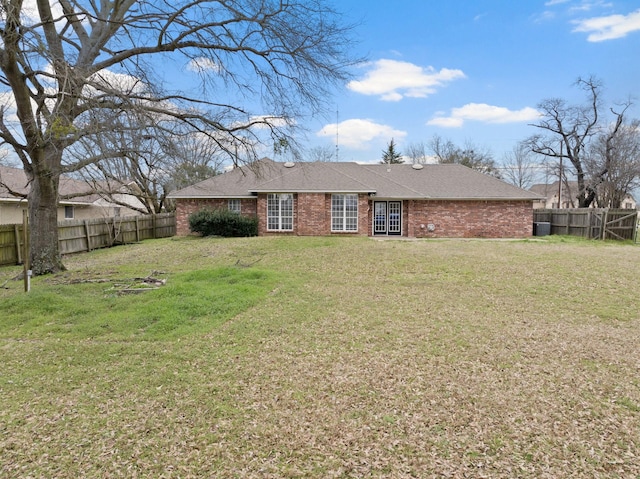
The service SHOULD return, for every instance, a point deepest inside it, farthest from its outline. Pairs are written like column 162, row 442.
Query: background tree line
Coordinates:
column 595, row 145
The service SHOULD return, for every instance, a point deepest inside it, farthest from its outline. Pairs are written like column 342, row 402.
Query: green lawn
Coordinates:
column 325, row 357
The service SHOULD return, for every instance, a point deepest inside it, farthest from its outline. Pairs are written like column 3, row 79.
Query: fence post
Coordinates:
column 16, row 233
column 153, row 225
column 87, row 234
column 137, row 230
column 604, row 223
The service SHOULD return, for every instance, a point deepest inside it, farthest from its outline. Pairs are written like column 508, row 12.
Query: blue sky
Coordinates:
column 474, row 71
column 465, row 70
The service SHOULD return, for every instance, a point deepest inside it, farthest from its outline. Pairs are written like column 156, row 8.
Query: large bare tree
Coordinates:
column 568, row 130
column 70, row 69
column 613, row 161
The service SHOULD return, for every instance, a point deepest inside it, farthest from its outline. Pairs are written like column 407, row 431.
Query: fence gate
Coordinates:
column 618, row 225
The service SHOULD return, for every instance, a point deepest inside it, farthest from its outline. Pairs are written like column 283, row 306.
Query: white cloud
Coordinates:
column 589, row 5
column 483, row 113
column 119, row 81
column 203, row 65
column 266, row 122
column 609, row 27
column 359, row 134
column 30, row 15
column 394, row 80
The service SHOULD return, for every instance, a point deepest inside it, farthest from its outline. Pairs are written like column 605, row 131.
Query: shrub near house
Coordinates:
column 222, row 223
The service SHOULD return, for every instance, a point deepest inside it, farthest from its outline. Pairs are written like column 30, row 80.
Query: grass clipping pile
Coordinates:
column 118, row 286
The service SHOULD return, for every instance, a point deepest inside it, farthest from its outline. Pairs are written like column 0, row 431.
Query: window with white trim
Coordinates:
column 344, row 212
column 280, row 212
column 234, row 205
column 68, row 212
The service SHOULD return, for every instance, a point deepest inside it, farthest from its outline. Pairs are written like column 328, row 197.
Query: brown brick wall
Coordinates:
column 312, row 215
column 470, row 219
column 450, row 219
column 186, row 207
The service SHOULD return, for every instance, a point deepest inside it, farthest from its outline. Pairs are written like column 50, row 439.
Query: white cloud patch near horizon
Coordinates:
column 483, row 113
column 393, row 80
column 359, row 134
column 609, row 27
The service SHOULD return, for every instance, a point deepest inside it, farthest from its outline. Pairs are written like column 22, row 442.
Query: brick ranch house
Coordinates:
column 415, row 201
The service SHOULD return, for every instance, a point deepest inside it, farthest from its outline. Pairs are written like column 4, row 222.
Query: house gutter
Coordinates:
column 314, row 191
column 210, row 197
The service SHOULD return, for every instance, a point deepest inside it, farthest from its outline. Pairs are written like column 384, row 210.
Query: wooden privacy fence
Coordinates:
column 592, row 223
column 75, row 236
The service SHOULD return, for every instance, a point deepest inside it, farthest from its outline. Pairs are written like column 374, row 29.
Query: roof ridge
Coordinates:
column 369, row 167
column 349, row 176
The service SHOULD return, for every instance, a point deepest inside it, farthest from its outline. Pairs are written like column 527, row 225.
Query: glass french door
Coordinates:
column 387, row 217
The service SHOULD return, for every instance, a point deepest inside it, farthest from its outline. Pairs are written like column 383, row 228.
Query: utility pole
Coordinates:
column 560, row 182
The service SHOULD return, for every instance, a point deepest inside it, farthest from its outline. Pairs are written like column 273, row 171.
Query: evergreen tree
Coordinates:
column 390, row 155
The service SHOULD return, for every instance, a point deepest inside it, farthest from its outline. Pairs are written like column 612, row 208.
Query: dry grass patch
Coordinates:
column 367, row 359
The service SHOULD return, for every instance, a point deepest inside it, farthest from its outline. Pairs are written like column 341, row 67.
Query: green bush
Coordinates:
column 222, row 223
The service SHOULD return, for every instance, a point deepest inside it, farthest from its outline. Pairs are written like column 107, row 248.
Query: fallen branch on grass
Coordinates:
column 134, row 290
column 151, row 280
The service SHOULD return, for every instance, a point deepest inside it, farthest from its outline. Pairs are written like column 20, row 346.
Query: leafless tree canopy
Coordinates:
column 579, row 135
column 520, row 167
column 445, row 151
column 613, row 161
column 323, row 154
column 417, row 153
column 72, row 69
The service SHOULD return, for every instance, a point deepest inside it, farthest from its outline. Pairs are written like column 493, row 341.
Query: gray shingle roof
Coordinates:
column 437, row 182
column 15, row 179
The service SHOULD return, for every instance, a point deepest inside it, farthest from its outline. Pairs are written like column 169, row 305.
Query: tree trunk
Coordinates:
column 43, row 219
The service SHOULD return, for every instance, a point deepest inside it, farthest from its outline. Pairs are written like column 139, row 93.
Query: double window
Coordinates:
column 280, row 212
column 344, row 212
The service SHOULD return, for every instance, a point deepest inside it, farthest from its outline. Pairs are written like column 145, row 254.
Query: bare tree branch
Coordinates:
column 78, row 68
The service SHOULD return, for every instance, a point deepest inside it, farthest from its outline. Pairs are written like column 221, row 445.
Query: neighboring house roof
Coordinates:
column 78, row 192
column 550, row 191
column 401, row 181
